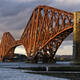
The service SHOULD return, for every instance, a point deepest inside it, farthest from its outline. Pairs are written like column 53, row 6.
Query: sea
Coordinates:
column 8, row 73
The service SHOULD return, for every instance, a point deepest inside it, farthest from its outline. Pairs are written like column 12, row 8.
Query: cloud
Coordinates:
column 14, row 15
column 20, row 1
column 68, row 5
column 69, row 1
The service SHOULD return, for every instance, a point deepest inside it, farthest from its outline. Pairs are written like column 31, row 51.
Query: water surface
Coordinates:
column 6, row 73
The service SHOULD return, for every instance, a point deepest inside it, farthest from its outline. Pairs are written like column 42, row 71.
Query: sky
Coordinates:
column 14, row 14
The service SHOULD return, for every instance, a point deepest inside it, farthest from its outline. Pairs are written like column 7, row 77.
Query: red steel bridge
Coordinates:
column 44, row 32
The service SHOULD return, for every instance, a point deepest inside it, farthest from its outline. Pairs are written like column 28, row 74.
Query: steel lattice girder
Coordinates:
column 45, row 31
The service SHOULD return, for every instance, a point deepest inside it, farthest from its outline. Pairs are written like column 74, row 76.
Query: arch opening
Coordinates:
column 16, row 53
column 66, row 46
column 20, row 50
column 65, row 51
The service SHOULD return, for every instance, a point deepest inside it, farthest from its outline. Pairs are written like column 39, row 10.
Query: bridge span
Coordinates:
column 44, row 33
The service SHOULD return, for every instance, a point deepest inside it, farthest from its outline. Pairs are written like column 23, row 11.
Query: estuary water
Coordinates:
column 6, row 73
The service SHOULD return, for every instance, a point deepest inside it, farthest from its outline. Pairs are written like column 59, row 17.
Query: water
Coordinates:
column 6, row 73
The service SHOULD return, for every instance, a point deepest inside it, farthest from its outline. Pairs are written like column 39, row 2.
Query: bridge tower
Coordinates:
column 76, row 38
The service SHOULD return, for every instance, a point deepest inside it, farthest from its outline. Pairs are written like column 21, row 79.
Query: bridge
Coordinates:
column 44, row 33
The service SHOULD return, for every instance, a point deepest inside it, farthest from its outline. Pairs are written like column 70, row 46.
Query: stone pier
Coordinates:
column 76, row 38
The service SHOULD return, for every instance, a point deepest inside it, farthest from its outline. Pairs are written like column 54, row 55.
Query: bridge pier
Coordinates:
column 76, row 38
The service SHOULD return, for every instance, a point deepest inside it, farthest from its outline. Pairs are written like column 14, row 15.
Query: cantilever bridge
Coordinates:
column 44, row 32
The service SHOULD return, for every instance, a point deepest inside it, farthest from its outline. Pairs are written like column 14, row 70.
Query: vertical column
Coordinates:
column 76, row 38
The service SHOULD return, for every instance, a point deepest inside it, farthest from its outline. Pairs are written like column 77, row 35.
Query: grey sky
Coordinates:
column 14, row 14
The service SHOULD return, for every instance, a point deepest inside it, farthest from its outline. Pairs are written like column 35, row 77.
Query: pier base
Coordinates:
column 76, row 39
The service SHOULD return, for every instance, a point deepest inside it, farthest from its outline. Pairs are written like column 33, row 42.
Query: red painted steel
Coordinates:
column 45, row 31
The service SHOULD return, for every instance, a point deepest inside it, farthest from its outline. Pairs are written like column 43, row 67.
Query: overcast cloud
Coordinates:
column 14, row 14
